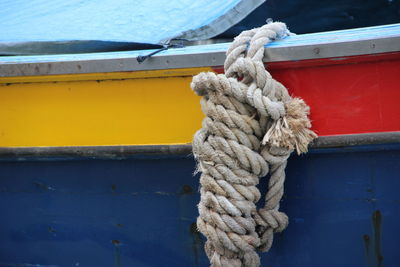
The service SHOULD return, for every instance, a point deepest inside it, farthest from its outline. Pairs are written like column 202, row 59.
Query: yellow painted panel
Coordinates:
column 137, row 111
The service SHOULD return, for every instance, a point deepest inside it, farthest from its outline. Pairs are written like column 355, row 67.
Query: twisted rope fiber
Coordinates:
column 251, row 127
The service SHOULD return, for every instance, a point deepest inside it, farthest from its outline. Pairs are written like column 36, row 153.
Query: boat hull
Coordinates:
column 140, row 211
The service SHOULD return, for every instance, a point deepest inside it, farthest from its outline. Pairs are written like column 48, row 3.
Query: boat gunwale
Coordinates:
column 127, row 151
column 318, row 46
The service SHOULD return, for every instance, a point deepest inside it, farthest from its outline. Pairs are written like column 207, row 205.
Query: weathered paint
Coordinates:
column 342, row 202
column 158, row 107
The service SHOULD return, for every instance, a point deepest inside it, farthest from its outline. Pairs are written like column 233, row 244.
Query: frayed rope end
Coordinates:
column 293, row 130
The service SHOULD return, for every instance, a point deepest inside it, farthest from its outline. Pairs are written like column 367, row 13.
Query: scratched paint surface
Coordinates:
column 343, row 206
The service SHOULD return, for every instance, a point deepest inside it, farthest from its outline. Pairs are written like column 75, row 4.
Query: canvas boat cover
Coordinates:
column 73, row 26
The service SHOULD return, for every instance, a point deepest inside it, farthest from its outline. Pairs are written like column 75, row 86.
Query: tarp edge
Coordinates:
column 222, row 23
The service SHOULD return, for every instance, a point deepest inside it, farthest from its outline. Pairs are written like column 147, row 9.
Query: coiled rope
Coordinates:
column 251, row 127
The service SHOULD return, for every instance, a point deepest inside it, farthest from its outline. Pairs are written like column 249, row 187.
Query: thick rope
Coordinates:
column 251, row 127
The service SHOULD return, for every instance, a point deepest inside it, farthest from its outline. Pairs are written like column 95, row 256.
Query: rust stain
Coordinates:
column 377, row 224
column 186, row 190
column 366, row 243
column 197, row 244
column 367, row 246
column 116, row 242
column 113, row 188
column 117, row 257
column 372, row 244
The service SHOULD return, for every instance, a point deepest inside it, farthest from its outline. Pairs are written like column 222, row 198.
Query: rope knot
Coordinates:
column 251, row 127
column 275, row 220
column 268, row 223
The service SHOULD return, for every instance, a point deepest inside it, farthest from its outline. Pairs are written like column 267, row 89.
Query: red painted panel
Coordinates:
column 346, row 95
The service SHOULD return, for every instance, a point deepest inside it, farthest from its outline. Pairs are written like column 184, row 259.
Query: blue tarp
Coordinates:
column 129, row 21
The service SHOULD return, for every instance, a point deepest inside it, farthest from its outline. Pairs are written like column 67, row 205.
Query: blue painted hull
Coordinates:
column 343, row 206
